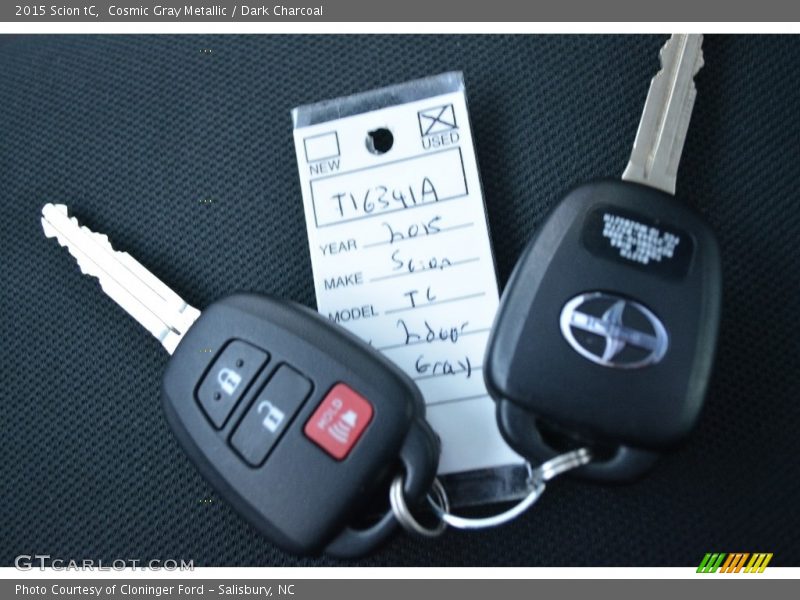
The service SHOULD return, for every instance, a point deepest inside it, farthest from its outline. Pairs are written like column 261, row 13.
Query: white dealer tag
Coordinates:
column 400, row 247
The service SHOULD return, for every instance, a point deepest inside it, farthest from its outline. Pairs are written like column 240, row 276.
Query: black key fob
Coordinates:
column 606, row 331
column 297, row 423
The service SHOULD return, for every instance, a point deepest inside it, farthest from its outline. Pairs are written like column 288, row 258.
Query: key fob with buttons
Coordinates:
column 606, row 331
column 294, row 420
column 297, row 423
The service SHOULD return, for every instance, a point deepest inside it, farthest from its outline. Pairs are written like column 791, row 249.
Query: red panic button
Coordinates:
column 339, row 421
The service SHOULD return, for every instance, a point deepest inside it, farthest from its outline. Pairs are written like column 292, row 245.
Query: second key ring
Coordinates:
column 440, row 504
column 403, row 514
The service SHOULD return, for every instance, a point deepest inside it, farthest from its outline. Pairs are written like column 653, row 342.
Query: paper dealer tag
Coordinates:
column 400, row 247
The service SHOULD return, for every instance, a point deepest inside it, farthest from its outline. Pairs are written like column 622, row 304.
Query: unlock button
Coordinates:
column 270, row 414
column 228, row 378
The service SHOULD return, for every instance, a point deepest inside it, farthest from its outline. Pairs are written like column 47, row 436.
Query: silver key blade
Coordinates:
column 156, row 307
column 667, row 111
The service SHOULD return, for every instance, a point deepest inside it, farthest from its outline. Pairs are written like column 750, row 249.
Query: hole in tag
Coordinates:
column 379, row 141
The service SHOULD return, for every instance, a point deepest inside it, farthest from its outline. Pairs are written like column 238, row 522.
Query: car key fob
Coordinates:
column 606, row 331
column 296, row 422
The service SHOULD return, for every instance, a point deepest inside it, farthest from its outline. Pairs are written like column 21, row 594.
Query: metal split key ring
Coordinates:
column 537, row 477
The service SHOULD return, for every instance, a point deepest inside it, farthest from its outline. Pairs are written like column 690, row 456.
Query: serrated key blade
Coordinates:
column 665, row 120
column 143, row 296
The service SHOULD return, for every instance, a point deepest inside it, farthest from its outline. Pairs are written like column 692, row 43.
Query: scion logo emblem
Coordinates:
column 613, row 331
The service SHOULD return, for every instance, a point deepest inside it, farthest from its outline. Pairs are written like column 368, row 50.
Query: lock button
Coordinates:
column 270, row 414
column 228, row 378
